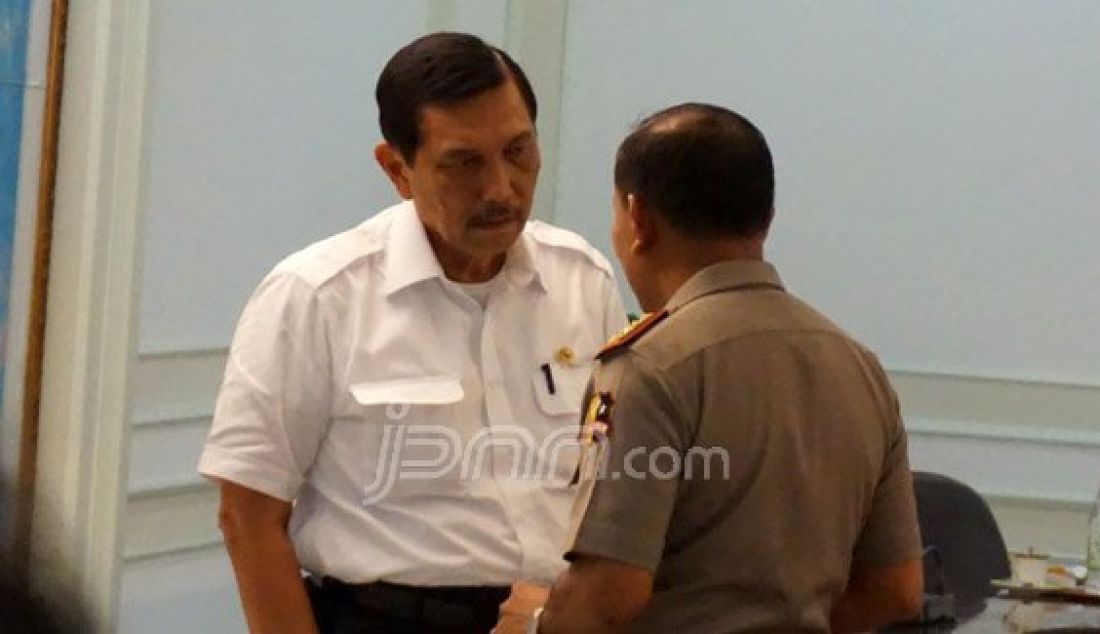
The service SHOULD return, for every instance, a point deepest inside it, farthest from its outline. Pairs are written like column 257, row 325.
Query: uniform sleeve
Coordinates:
column 891, row 534
column 627, row 511
column 273, row 407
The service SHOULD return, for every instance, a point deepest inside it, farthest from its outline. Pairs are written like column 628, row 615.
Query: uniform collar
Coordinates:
column 411, row 260
column 725, row 276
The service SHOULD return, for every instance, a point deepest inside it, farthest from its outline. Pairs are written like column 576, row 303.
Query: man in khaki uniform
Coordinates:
column 745, row 463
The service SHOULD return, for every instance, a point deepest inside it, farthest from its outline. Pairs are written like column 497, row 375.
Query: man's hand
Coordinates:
column 879, row 596
column 596, row 595
column 517, row 610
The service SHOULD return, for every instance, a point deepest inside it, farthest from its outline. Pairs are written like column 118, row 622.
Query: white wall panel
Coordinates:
column 1030, row 448
column 171, row 519
column 172, row 385
column 1031, row 465
column 182, row 593
column 166, row 454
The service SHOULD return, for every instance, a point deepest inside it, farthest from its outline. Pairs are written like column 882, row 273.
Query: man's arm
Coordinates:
column 267, row 570
column 886, row 582
column 879, row 596
column 596, row 594
column 516, row 612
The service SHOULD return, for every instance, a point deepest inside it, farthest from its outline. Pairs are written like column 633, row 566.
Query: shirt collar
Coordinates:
column 520, row 267
column 409, row 255
column 410, row 258
column 725, row 276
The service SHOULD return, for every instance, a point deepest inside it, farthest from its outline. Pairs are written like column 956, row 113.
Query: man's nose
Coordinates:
column 498, row 182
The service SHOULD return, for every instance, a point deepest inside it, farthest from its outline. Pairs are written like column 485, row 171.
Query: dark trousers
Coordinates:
column 386, row 608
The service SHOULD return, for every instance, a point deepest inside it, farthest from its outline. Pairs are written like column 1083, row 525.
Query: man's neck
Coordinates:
column 676, row 269
column 464, row 267
column 473, row 270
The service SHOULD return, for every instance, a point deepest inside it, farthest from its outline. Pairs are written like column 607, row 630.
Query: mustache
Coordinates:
column 494, row 212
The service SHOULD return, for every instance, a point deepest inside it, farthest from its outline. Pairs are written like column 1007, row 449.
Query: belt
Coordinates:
column 449, row 606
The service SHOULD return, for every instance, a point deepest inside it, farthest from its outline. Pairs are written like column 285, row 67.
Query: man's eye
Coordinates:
column 464, row 162
column 517, row 151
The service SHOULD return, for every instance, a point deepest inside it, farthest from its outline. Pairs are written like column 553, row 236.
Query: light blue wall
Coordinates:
column 937, row 161
column 261, row 129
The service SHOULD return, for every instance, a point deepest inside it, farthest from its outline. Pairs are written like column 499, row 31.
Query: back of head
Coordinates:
column 705, row 169
column 440, row 69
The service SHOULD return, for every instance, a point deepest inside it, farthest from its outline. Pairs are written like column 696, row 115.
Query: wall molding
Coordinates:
column 92, row 306
column 1039, row 501
column 994, row 417
column 173, row 517
column 173, row 415
column 1038, row 480
column 171, row 487
column 176, row 385
column 199, row 547
column 1029, row 405
column 999, row 432
column 986, row 376
column 159, row 352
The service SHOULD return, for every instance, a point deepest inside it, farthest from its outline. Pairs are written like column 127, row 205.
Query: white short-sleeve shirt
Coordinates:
column 424, row 439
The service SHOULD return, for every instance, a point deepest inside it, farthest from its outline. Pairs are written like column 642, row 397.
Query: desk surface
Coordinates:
column 1010, row 615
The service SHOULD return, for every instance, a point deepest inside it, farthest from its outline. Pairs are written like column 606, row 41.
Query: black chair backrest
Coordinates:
column 957, row 523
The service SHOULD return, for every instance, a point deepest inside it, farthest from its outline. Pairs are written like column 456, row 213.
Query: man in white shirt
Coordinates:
column 399, row 398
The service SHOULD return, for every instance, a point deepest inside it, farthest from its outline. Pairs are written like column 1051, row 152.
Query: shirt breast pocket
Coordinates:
column 420, row 449
column 559, row 395
column 559, row 389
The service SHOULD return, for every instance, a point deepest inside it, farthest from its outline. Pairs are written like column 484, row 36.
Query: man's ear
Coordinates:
column 393, row 164
column 642, row 224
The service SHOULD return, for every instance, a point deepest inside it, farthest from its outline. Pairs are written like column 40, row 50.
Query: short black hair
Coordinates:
column 440, row 68
column 704, row 168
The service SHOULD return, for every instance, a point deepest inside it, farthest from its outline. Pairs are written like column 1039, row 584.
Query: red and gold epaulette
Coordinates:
column 631, row 333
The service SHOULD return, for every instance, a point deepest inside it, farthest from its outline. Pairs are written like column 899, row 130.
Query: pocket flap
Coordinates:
column 430, row 390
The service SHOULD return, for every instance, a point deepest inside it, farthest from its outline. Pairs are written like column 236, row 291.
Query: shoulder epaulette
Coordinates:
column 631, row 333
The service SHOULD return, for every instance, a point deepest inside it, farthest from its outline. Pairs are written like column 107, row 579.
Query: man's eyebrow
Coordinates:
column 458, row 153
column 526, row 135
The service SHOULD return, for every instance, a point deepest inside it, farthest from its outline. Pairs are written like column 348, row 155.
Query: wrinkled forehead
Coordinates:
column 493, row 117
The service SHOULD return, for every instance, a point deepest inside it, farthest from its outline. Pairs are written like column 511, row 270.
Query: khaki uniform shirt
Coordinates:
column 747, row 452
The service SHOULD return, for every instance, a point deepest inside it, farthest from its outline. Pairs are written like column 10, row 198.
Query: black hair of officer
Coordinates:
column 707, row 170
column 440, row 69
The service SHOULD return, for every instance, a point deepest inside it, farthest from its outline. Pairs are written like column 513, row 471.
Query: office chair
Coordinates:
column 963, row 552
column 957, row 524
